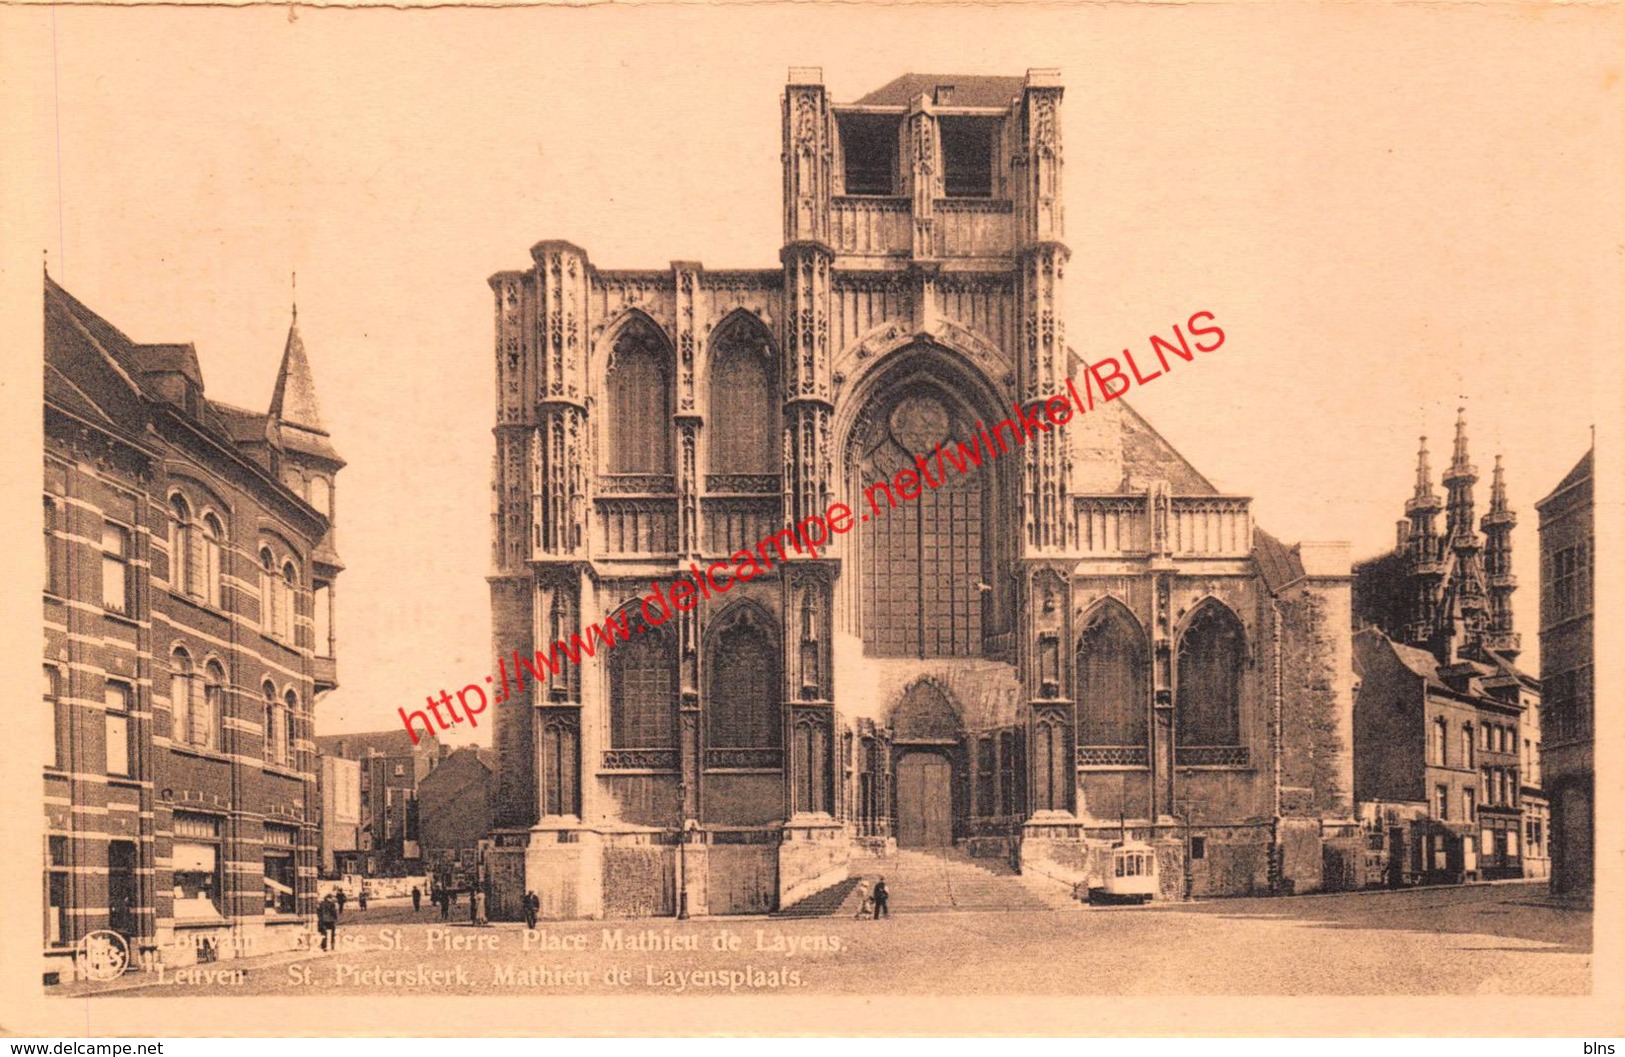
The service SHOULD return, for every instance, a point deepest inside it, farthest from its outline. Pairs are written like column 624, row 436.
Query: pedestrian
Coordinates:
column 417, row 899
column 362, row 900
column 327, row 921
column 881, row 897
column 444, row 899
column 533, row 906
column 341, row 897
column 476, row 903
column 866, row 905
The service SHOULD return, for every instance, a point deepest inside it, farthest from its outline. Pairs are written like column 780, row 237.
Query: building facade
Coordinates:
column 1445, row 723
column 1083, row 637
column 392, row 763
column 1567, row 520
column 339, row 782
column 454, row 807
column 190, row 563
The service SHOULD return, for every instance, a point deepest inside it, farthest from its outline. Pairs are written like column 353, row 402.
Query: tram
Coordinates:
column 1131, row 875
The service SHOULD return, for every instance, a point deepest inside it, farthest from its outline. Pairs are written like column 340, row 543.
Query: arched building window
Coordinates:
column 268, row 592
column 743, row 426
column 1212, row 657
column 182, row 560
column 209, row 715
column 213, row 537
column 1112, row 673
column 273, row 737
column 742, row 708
column 811, row 766
column 290, row 728
column 285, row 603
column 639, row 391
column 643, row 692
column 180, row 696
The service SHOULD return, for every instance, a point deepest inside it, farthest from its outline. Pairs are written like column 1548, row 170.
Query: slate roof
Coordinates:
column 1581, row 472
column 1277, row 563
column 969, row 90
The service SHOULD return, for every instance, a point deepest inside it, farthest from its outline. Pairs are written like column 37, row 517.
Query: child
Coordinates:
column 866, row 904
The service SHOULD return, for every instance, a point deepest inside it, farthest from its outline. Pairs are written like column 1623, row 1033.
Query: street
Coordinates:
column 1484, row 939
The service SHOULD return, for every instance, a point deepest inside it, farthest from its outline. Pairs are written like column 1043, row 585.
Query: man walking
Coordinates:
column 533, row 906
column 327, row 922
column 341, row 897
column 444, row 899
column 881, row 897
column 417, row 899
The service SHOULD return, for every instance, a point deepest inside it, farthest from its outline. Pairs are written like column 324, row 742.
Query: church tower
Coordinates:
column 1015, row 659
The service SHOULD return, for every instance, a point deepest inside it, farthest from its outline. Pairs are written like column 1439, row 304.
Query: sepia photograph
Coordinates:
column 848, row 520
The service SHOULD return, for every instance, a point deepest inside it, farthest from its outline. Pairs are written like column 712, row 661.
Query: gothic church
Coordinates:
column 1083, row 640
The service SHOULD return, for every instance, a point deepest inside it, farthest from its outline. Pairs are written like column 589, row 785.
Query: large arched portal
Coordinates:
column 931, row 536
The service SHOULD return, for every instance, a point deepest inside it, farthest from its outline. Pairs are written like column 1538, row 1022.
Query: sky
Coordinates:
column 1391, row 211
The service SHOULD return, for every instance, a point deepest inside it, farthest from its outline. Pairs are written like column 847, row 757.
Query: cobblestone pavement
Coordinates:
column 1484, row 939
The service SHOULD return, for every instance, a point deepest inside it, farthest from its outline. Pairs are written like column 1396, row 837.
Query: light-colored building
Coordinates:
column 341, row 848
column 1018, row 661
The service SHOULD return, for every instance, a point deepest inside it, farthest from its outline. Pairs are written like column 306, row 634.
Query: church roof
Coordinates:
column 1277, row 563
column 976, row 91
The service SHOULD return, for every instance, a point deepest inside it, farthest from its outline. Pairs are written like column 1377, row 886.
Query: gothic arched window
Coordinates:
column 743, row 426
column 639, row 390
column 1112, row 672
column 811, row 748
column 1212, row 656
column 643, row 692
column 742, row 708
column 1052, row 766
column 923, row 560
column 560, row 747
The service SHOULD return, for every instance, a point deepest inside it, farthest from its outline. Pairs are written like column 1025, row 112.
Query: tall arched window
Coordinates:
column 1212, row 657
column 743, row 426
column 1112, row 672
column 1467, row 745
column 811, row 748
column 52, row 579
column 742, row 708
column 643, row 692
column 180, row 697
column 208, row 716
column 560, row 747
column 213, row 536
column 182, row 575
column 639, row 390
column 285, row 608
column 273, row 737
column 1052, row 766
column 268, row 592
column 290, row 728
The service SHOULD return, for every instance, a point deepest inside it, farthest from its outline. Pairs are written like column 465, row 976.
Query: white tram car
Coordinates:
column 1131, row 875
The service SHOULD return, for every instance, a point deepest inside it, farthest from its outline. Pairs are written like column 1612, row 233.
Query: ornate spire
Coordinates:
column 1497, row 526
column 1459, row 481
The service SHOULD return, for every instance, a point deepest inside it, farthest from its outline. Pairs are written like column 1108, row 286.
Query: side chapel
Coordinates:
column 1084, row 639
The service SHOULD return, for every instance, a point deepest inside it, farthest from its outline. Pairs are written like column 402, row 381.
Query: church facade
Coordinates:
column 1084, row 639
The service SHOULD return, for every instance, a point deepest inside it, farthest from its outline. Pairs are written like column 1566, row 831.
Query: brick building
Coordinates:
column 1445, row 723
column 392, row 763
column 1083, row 636
column 190, row 563
column 454, row 806
column 339, row 782
column 1567, row 650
